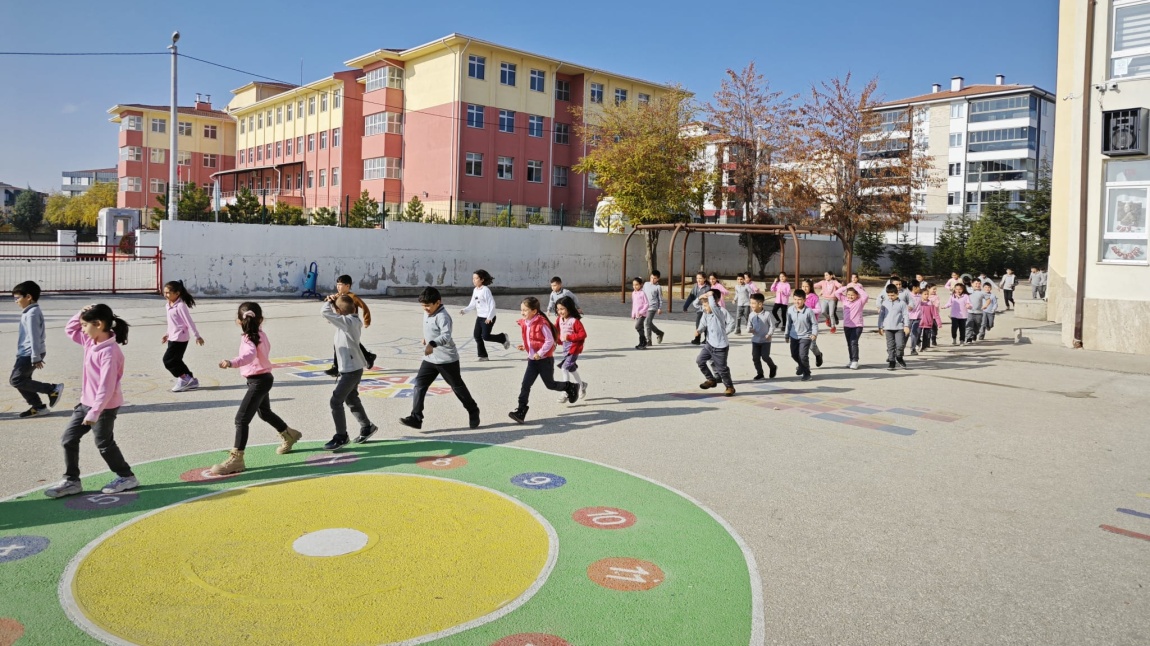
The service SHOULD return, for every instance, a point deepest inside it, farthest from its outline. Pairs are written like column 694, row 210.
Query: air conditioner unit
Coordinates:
column 1125, row 132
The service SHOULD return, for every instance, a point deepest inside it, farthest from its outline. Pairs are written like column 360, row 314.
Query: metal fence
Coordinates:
column 81, row 267
column 490, row 214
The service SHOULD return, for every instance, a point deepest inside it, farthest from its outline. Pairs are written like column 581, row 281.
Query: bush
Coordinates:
column 869, row 248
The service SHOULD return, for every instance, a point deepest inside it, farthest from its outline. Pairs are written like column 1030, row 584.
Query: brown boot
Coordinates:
column 729, row 392
column 234, row 464
column 710, row 383
column 290, row 437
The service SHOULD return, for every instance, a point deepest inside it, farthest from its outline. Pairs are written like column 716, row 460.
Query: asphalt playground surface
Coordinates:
column 991, row 494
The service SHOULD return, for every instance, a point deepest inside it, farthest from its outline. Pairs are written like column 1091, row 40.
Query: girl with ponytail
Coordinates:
column 254, row 364
column 181, row 330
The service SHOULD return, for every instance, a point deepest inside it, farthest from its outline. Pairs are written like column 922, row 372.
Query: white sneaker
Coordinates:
column 854, row 365
column 193, row 384
column 121, row 484
column 583, row 390
column 180, row 385
column 562, row 399
column 64, row 488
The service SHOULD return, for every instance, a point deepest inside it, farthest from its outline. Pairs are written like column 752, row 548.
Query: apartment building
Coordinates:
column 982, row 138
column 1099, row 283
column 206, row 145
column 77, row 182
column 718, row 159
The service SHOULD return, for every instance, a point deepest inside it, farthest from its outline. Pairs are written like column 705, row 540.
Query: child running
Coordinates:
column 539, row 342
column 715, row 283
column 572, row 334
column 929, row 319
column 742, row 302
column 761, row 326
column 30, row 352
column 558, row 291
column 812, row 303
column 828, row 300
column 343, row 288
column 101, row 333
column 717, row 323
column 959, row 305
column 1009, row 282
column 853, row 298
column 701, row 287
column 914, row 313
column 989, row 309
column 654, row 294
column 802, row 330
column 440, row 359
column 639, row 311
column 895, row 325
column 974, row 312
column 340, row 312
column 256, row 367
column 782, row 290
column 181, row 329
column 484, row 305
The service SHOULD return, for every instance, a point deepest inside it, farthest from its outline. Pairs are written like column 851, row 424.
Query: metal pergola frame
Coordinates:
column 689, row 228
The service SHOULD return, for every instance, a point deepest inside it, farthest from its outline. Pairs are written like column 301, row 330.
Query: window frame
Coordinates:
column 537, row 78
column 507, row 116
column 559, row 173
column 508, row 72
column 159, row 126
column 536, row 166
column 535, row 125
column 184, row 128
column 505, row 168
column 1110, row 232
column 620, row 96
column 213, row 158
column 561, row 130
column 477, row 67
column 596, row 90
column 563, row 94
column 473, row 164
column 163, row 155
column 475, row 116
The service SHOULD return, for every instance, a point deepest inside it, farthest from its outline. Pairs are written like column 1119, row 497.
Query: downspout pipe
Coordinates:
column 1084, row 176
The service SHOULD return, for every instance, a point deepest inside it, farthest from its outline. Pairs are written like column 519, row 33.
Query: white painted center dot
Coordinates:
column 331, row 542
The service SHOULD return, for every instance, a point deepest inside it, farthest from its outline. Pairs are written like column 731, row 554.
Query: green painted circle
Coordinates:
column 710, row 594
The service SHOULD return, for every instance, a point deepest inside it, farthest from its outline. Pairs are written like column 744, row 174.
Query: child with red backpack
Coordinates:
column 538, row 335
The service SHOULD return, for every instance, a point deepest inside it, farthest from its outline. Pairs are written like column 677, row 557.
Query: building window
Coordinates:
column 506, row 121
column 287, row 147
column 209, row 132
column 390, row 122
column 534, row 126
column 1001, row 170
column 954, row 170
column 592, row 180
column 1130, row 40
column 381, row 168
column 132, row 123
column 559, row 176
column 310, row 178
column 382, row 77
column 184, row 158
column 287, row 181
column 336, row 101
column 954, row 199
column 562, row 133
column 471, row 210
column 279, row 114
column 644, row 99
column 299, row 145
column 620, row 96
column 243, row 124
column 130, row 184
column 260, row 120
column 507, row 73
column 1015, row 107
column 322, row 178
column 538, row 81
column 211, row 160
column 310, row 108
column 323, row 140
column 132, row 153
column 335, row 137
column 956, row 140
column 1003, row 139
column 260, row 153
column 268, row 152
column 279, row 149
column 596, row 93
column 299, row 181
column 476, row 67
column 289, row 111
column 323, row 105
column 155, row 185
column 505, row 168
column 957, row 110
column 535, row 172
column 299, row 111
column 474, row 165
column 269, row 117
column 474, row 116
column 157, row 155
column 159, row 125
column 251, row 155
column 335, row 176
column 562, row 90
column 1124, row 230
column 311, row 143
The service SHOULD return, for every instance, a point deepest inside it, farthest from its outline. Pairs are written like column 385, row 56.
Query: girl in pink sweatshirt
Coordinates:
column 255, row 365
column 181, row 330
column 959, row 307
column 101, row 333
column 854, row 298
column 782, row 290
column 639, row 305
column 812, row 302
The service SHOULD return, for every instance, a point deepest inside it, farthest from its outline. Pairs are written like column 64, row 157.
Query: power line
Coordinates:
column 84, row 53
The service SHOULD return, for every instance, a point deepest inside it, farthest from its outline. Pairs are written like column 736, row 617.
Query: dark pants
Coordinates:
column 29, row 389
column 800, row 349
column 973, row 326
column 698, row 319
column 957, row 329
column 853, row 334
column 483, row 333
column 779, row 311
column 640, row 326
column 927, row 335
column 174, row 359
column 347, row 392
column 257, row 401
column 742, row 313
column 1008, row 297
column 543, row 369
column 718, row 358
column 761, row 352
column 450, row 373
column 895, row 342
column 652, row 331
column 105, row 442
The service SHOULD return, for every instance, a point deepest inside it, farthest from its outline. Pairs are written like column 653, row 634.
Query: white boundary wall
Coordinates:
column 241, row 259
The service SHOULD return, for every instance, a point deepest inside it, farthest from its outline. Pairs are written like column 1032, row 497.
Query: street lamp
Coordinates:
column 173, row 170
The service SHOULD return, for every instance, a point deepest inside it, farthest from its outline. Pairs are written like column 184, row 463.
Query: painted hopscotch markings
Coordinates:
column 374, row 383
column 830, row 408
column 409, row 542
column 1129, row 512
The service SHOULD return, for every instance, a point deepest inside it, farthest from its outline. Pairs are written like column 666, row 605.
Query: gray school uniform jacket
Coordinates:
column 762, row 326
column 717, row 325
column 654, row 296
column 801, row 325
column 742, row 295
column 556, row 295
column 30, row 335
column 347, row 330
column 896, row 315
column 976, row 299
column 437, row 332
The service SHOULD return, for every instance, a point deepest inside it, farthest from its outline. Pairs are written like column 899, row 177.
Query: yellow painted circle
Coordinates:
column 441, row 556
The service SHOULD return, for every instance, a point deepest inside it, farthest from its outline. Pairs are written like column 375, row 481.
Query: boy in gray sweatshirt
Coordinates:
column 761, row 325
column 742, row 303
column 440, row 359
column 895, row 325
column 340, row 312
column 716, row 324
column 802, row 331
column 558, row 291
column 654, row 295
column 30, row 352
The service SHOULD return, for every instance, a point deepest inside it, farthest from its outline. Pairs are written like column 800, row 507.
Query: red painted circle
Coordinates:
column 203, row 474
column 12, row 630
column 625, row 574
column 604, row 518
column 441, row 462
column 532, row 639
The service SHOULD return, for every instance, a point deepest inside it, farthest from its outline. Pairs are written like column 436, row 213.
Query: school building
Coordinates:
column 206, row 145
column 468, row 126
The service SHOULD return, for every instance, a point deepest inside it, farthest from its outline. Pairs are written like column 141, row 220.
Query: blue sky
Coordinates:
column 52, row 115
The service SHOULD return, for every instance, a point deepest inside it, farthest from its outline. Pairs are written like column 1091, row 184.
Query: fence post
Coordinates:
column 113, row 268
column 562, row 214
column 508, row 213
column 450, row 208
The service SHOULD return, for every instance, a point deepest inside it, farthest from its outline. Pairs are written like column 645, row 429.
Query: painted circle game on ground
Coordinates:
column 410, row 542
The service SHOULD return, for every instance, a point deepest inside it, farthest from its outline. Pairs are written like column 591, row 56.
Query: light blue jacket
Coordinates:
column 30, row 338
column 437, row 330
column 717, row 326
column 801, row 325
column 348, row 328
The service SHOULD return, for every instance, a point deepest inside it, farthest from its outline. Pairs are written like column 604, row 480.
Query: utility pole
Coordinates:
column 173, row 175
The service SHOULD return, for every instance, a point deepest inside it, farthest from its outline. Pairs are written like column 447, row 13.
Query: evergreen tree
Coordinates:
column 288, row 215
column 324, row 217
column 907, row 258
column 869, row 247
column 364, row 212
column 28, row 212
column 950, row 249
column 246, row 209
column 988, row 247
column 413, row 212
column 1034, row 240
